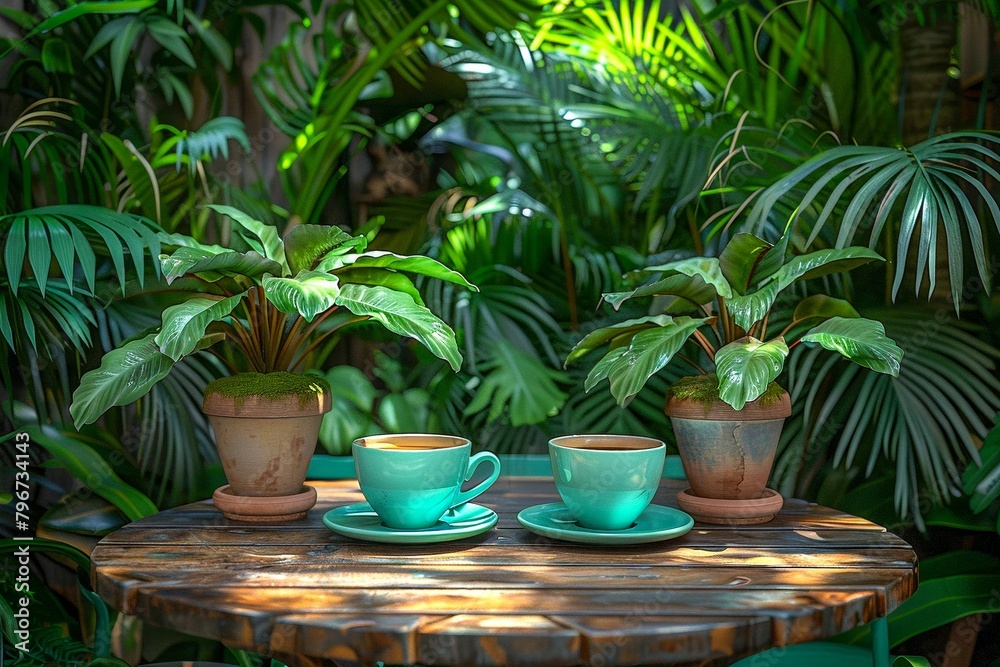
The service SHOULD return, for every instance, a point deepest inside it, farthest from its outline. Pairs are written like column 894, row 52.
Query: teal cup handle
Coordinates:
column 474, row 461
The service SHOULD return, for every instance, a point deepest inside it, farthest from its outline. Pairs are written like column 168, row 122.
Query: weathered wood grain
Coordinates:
column 507, row 597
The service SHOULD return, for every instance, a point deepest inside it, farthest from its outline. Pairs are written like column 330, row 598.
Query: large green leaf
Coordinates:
column 682, row 294
column 261, row 237
column 412, row 264
column 304, row 244
column 959, row 584
column 391, row 279
column 628, row 368
column 520, row 382
column 616, row 333
column 93, row 471
column 399, row 313
column 749, row 309
column 739, row 258
column 706, row 268
column 824, row 262
column 861, row 340
column 184, row 325
column 982, row 482
column 124, row 376
column 746, row 367
column 212, row 266
column 308, row 294
column 820, row 306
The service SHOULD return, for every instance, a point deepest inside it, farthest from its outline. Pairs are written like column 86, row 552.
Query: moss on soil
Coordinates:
column 705, row 390
column 268, row 385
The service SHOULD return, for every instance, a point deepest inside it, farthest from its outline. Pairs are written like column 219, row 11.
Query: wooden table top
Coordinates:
column 308, row 596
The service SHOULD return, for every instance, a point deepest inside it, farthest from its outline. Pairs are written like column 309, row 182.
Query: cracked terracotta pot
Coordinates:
column 727, row 454
column 266, row 444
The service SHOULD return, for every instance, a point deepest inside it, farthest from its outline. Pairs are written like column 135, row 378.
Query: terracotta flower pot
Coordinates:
column 265, row 444
column 728, row 454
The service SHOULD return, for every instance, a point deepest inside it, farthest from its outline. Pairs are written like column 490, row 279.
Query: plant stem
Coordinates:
column 295, row 362
column 727, row 322
column 292, row 340
column 705, row 344
column 763, row 326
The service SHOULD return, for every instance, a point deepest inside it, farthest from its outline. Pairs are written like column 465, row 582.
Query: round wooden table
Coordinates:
column 308, row 596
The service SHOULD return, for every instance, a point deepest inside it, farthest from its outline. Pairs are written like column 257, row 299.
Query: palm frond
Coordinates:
column 75, row 235
column 865, row 186
column 926, row 422
column 208, row 142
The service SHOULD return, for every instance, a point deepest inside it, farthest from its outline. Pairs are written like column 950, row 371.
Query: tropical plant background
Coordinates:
column 542, row 149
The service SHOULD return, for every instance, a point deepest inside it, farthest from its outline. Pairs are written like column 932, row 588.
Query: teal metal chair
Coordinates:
column 832, row 654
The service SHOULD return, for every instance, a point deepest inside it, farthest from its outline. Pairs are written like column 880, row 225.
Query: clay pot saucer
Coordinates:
column 264, row 509
column 731, row 512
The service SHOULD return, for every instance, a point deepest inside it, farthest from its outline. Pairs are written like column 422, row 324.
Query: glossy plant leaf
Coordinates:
column 706, row 268
column 400, row 314
column 861, row 340
column 820, row 306
column 681, row 294
column 304, row 244
column 910, row 661
column 746, row 367
column 616, row 334
column 937, row 602
column 261, row 237
column 391, row 279
column 308, row 294
column 981, row 482
column 124, row 376
column 628, row 368
column 185, row 324
column 739, row 259
column 418, row 264
column 211, row 266
column 749, row 309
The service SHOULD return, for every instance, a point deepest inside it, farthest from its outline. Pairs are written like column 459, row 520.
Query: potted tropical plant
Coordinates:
column 728, row 420
column 274, row 305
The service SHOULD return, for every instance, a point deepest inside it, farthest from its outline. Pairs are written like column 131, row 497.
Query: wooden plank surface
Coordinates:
column 507, row 597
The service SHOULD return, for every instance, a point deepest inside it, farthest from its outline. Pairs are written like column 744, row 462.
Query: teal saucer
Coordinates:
column 654, row 524
column 361, row 522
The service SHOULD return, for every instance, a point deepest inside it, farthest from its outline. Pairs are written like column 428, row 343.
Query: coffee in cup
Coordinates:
column 606, row 481
column 411, row 480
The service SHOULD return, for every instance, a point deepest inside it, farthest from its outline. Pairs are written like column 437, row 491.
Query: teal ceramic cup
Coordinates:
column 606, row 481
column 411, row 480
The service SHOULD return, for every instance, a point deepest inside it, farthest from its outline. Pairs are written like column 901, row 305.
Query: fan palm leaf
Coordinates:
column 75, row 235
column 926, row 422
column 924, row 187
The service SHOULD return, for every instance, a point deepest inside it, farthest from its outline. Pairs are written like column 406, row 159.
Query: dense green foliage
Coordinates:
column 537, row 150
